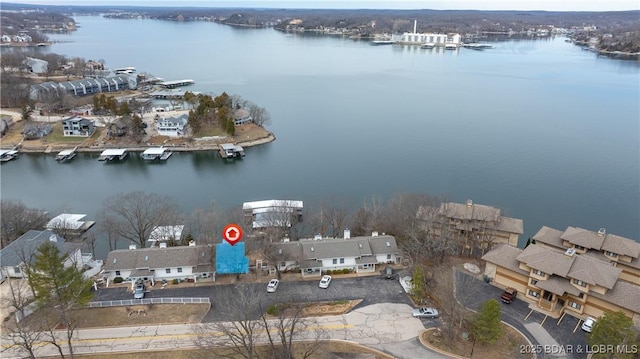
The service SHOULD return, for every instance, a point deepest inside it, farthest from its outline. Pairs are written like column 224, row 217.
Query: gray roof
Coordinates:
column 511, row 225
column 505, row 256
column 549, row 236
column 546, row 260
column 621, row 245
column 335, row 248
column 583, row 237
column 179, row 120
column 594, row 271
column 383, row 245
column 184, row 256
column 77, row 119
column 469, row 211
column 558, row 285
column 24, row 248
column 622, row 294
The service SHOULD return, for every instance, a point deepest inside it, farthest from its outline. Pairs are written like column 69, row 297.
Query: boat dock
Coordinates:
column 176, row 83
column 230, row 151
column 66, row 155
column 382, row 42
column 119, row 154
column 477, row 46
column 156, row 153
column 8, row 155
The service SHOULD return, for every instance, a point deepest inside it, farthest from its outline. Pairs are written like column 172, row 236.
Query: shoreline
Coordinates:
column 46, row 149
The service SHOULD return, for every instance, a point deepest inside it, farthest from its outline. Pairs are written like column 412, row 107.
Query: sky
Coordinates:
column 550, row 5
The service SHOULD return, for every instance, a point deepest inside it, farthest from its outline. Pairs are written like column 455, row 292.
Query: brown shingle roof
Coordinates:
column 505, row 256
column 558, row 285
column 621, row 245
column 594, row 271
column 477, row 212
column 549, row 236
column 546, row 260
column 583, row 237
column 623, row 294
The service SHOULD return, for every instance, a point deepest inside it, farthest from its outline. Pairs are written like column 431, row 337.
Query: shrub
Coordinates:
column 118, row 280
column 346, row 271
column 329, row 271
column 273, row 309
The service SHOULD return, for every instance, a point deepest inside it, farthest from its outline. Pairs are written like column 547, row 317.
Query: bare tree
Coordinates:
column 134, row 215
column 259, row 115
column 290, row 327
column 23, row 338
column 17, row 219
column 243, row 332
column 330, row 218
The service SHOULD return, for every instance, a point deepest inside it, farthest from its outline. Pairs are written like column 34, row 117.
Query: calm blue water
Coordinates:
column 541, row 129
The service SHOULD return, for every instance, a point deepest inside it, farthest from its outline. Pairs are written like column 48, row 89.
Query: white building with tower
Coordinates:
column 452, row 40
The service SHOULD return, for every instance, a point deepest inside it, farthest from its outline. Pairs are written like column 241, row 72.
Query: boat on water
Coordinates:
column 428, row 46
column 382, row 42
column 8, row 155
column 118, row 154
column 450, row 47
column 478, row 46
column 66, row 155
column 156, row 153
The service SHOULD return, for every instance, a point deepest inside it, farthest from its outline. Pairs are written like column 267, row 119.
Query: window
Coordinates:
column 341, row 260
column 611, row 254
column 581, row 248
column 179, row 270
column 579, row 282
column 388, row 257
column 17, row 270
column 534, row 281
column 335, row 260
column 534, row 294
column 539, row 273
column 574, row 305
column 118, row 273
column 168, row 270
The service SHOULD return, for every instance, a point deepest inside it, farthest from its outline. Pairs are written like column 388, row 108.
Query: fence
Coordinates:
column 125, row 302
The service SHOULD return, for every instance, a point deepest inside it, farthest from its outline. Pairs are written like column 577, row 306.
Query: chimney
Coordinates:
column 164, row 244
column 192, row 243
column 374, row 234
column 317, row 236
column 602, row 232
column 132, row 246
column 347, row 233
column 53, row 238
column 415, row 26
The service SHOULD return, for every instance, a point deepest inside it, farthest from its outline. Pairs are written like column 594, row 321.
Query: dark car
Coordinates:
column 508, row 295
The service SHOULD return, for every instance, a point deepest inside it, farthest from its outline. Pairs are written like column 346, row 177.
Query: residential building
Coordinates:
column 563, row 280
column 71, row 223
column 357, row 254
column 241, row 117
column 172, row 126
column 160, row 263
column 475, row 224
column 17, row 255
column 36, row 66
column 84, row 87
column 78, row 127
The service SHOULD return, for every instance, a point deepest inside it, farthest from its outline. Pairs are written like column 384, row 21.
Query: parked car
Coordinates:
column 508, row 295
column 324, row 282
column 587, row 326
column 138, row 292
column 388, row 273
column 273, row 285
column 425, row 312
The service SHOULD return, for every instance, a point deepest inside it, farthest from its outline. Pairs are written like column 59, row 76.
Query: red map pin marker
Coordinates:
column 232, row 233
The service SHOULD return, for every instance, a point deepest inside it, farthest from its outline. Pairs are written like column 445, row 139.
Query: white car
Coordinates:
column 273, row 285
column 587, row 326
column 138, row 292
column 425, row 312
column 324, row 282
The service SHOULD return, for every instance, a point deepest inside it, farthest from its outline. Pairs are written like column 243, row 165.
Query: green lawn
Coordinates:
column 56, row 135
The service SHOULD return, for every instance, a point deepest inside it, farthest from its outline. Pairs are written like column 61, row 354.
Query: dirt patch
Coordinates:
column 141, row 315
column 329, row 308
column 508, row 346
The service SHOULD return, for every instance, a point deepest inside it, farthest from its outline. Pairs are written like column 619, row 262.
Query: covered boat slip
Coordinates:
column 156, row 153
column 229, row 150
column 113, row 155
column 8, row 155
column 66, row 155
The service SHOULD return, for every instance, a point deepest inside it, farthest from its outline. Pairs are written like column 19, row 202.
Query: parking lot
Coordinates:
column 371, row 290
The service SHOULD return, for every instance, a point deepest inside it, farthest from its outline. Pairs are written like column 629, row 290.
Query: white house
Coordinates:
column 357, row 254
column 76, row 126
column 157, row 263
column 241, row 116
column 21, row 252
column 172, row 126
column 37, row 66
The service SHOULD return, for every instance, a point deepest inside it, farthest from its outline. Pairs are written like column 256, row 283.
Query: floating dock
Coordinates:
column 118, row 154
column 156, row 153
column 231, row 151
column 66, row 155
column 176, row 83
column 8, row 155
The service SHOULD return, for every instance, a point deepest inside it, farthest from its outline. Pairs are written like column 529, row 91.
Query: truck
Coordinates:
column 508, row 295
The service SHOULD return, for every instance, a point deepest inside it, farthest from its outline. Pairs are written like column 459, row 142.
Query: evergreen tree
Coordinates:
column 486, row 326
column 614, row 329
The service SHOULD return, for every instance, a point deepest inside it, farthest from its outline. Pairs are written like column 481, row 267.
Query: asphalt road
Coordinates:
column 371, row 290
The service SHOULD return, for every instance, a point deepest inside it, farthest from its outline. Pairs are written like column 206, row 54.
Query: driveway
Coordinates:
column 472, row 292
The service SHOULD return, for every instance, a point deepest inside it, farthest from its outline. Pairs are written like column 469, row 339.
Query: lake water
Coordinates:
column 541, row 129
